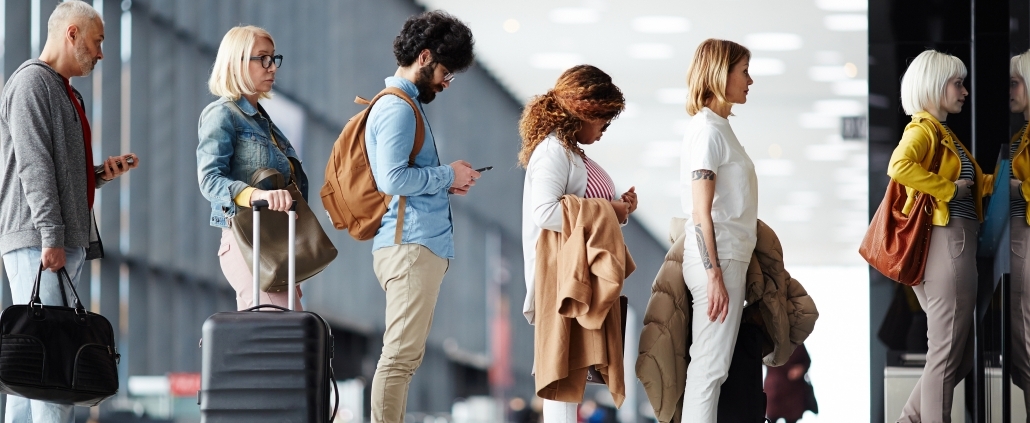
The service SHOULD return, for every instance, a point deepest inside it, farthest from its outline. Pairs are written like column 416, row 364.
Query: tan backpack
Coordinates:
column 350, row 195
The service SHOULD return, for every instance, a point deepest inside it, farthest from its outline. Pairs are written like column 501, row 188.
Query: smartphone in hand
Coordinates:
column 484, row 169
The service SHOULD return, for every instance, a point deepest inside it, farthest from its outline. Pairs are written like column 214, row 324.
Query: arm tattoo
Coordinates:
column 703, row 174
column 705, row 258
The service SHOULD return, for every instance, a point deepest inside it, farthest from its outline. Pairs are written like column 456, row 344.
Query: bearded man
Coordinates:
column 49, row 178
column 410, row 263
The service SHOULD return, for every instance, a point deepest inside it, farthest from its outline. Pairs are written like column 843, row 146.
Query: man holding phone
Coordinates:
column 410, row 262
column 49, row 178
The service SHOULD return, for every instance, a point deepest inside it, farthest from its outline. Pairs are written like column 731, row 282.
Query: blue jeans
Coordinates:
column 21, row 266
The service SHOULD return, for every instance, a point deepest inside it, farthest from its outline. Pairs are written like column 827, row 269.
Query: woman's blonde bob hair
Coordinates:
column 1020, row 66
column 927, row 76
column 229, row 75
column 709, row 70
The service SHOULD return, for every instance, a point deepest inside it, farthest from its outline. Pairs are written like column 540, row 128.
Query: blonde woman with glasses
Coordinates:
column 932, row 89
column 720, row 197
column 1019, row 193
column 237, row 137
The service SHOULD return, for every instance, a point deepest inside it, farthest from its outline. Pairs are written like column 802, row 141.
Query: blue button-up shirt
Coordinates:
column 389, row 138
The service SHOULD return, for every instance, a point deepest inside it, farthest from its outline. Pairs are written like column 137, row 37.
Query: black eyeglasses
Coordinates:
column 266, row 60
column 606, row 125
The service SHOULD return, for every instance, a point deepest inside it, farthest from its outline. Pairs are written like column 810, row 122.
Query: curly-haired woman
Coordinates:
column 720, row 198
column 554, row 128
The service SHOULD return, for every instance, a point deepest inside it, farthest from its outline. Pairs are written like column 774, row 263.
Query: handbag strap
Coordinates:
column 279, row 182
column 34, row 300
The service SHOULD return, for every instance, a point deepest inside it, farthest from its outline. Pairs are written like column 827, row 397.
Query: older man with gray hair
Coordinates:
column 49, row 178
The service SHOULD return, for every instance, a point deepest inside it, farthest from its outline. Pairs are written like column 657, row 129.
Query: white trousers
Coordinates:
column 560, row 412
column 713, row 342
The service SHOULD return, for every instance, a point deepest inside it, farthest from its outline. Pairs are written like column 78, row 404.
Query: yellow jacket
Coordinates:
column 912, row 157
column 1021, row 165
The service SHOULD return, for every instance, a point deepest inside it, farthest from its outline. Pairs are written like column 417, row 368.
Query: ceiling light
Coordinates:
column 559, row 61
column 650, row 51
column 843, row 5
column 827, row 73
column 574, row 15
column 839, row 107
column 848, row 22
column 672, row 95
column 773, row 41
column 661, row 24
column 766, row 66
column 850, row 70
column 828, row 57
column 851, row 88
column 511, row 26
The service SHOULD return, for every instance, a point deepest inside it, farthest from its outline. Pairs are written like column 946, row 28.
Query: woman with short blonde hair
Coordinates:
column 720, row 197
column 238, row 138
column 931, row 89
column 1019, row 194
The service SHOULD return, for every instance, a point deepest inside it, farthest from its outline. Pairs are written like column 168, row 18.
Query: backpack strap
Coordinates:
column 420, row 139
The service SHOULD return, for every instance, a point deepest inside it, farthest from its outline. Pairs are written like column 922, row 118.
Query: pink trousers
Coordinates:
column 236, row 270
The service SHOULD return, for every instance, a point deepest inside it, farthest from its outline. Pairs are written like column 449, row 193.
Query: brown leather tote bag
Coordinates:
column 895, row 244
column 314, row 248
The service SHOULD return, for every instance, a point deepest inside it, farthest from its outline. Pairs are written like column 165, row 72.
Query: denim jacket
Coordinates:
column 235, row 143
column 389, row 137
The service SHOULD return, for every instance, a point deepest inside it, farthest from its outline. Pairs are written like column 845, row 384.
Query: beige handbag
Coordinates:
column 314, row 249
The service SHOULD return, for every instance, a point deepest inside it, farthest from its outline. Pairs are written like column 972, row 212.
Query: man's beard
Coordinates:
column 86, row 63
column 424, row 83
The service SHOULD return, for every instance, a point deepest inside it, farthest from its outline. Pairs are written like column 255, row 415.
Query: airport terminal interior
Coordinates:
column 823, row 117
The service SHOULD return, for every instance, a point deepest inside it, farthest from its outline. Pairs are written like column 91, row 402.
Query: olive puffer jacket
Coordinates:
column 785, row 311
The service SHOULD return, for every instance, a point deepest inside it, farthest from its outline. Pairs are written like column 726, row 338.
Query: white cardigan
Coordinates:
column 551, row 174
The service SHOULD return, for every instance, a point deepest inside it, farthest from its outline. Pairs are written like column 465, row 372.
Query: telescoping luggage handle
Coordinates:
column 258, row 205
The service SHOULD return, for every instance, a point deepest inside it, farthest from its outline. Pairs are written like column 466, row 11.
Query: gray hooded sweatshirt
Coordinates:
column 43, row 200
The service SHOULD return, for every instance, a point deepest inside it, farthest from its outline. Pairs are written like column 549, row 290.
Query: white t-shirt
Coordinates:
column 710, row 144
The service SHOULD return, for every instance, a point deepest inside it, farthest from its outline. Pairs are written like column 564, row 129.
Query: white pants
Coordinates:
column 713, row 342
column 22, row 265
column 560, row 412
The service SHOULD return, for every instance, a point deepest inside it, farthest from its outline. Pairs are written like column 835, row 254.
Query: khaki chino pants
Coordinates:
column 948, row 295
column 411, row 275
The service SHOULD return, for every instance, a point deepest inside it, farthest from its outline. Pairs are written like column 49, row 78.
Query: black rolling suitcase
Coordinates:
column 267, row 366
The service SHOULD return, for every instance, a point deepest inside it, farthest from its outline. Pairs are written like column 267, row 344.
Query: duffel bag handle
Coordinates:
column 62, row 271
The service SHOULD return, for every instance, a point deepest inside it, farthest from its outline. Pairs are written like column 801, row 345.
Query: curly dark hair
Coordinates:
column 447, row 38
column 581, row 93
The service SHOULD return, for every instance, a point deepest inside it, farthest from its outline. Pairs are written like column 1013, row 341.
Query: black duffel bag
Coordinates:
column 58, row 354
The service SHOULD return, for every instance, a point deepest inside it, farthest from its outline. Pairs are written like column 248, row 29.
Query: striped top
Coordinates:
column 965, row 207
column 599, row 184
column 1017, row 205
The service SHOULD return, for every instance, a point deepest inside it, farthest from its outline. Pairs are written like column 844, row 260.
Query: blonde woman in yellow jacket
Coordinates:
column 1019, row 193
column 931, row 89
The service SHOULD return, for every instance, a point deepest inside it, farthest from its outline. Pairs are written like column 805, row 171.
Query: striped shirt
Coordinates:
column 1017, row 205
column 599, row 184
column 965, row 207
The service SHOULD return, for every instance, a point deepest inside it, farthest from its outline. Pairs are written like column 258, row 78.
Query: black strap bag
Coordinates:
column 59, row 354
